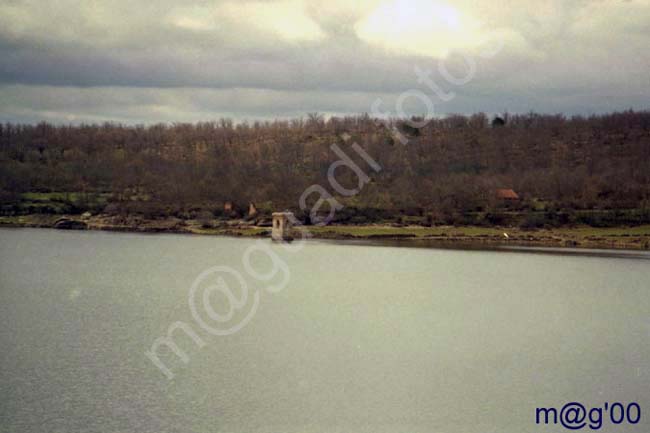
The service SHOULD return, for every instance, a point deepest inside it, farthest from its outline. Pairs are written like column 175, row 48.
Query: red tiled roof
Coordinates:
column 507, row 194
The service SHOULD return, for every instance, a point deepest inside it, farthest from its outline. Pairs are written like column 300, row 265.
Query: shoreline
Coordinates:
column 612, row 238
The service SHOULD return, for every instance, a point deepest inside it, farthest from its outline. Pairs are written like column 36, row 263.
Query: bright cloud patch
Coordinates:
column 284, row 19
column 422, row 27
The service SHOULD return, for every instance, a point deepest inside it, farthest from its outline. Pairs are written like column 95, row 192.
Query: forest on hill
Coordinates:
column 593, row 170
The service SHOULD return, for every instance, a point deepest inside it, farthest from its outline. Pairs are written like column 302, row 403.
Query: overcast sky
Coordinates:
column 150, row 61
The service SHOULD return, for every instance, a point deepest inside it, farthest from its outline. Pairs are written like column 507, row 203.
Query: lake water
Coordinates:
column 357, row 338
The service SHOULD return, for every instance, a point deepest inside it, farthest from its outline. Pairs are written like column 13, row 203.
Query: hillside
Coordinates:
column 591, row 170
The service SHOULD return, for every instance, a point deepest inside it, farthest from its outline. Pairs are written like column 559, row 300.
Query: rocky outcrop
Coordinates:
column 70, row 224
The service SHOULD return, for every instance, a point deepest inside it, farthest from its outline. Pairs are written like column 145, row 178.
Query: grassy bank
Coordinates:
column 637, row 237
column 580, row 236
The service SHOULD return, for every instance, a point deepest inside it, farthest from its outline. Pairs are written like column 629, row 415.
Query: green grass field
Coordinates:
column 581, row 232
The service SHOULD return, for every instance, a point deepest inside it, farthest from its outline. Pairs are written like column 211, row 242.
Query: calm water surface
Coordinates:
column 361, row 339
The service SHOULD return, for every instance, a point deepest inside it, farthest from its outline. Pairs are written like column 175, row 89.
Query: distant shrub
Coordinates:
column 533, row 221
column 495, row 218
column 148, row 209
column 205, row 218
column 112, row 209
